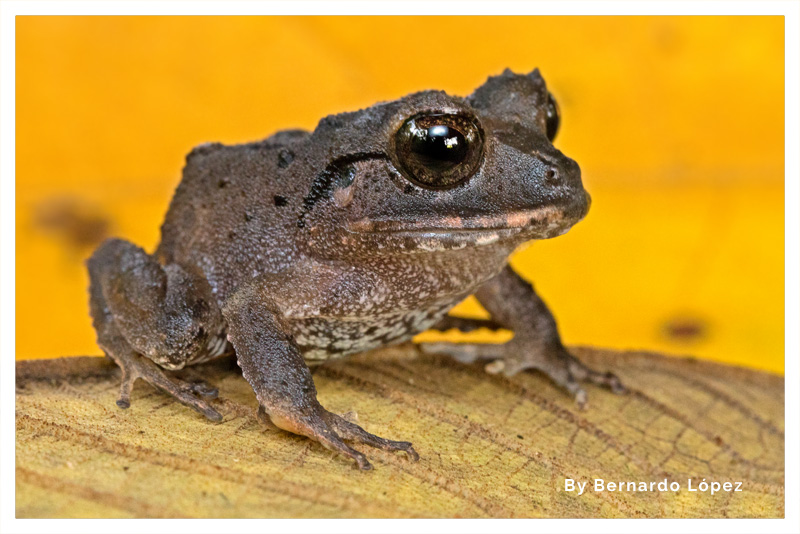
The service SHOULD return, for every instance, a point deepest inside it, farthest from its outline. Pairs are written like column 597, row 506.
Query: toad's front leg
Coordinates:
column 273, row 365
column 514, row 304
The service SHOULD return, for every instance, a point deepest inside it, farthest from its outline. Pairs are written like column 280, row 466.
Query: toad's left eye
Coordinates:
column 552, row 117
column 439, row 150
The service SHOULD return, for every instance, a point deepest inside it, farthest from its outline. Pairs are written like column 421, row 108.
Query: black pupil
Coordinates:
column 439, row 146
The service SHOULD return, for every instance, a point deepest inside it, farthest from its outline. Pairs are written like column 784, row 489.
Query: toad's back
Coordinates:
column 234, row 213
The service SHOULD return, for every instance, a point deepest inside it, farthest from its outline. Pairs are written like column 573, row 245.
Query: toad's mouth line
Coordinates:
column 508, row 224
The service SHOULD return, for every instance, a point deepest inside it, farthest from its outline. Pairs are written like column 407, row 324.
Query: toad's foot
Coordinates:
column 519, row 354
column 134, row 367
column 332, row 430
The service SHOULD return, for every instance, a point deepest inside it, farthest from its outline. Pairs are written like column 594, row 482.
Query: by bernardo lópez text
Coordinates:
column 699, row 486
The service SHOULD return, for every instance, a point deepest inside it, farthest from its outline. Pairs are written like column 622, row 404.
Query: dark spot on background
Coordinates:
column 280, row 201
column 77, row 224
column 685, row 329
column 223, row 182
column 408, row 189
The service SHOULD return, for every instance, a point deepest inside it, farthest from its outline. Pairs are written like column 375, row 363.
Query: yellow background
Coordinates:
column 677, row 124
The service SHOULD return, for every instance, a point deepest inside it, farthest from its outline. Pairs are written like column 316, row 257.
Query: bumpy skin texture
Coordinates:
column 310, row 246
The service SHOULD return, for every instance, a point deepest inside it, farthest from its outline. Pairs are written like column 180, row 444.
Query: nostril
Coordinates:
column 552, row 175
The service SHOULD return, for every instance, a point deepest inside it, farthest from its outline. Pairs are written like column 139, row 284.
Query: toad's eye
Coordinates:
column 439, row 150
column 552, row 117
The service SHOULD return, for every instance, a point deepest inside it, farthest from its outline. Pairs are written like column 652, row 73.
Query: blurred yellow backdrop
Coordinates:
column 677, row 123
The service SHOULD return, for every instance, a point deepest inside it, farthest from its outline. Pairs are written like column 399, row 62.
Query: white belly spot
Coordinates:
column 323, row 338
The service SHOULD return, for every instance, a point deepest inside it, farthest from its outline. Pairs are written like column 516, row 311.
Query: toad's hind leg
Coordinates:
column 129, row 297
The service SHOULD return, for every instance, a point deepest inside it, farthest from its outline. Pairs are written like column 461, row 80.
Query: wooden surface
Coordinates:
column 490, row 446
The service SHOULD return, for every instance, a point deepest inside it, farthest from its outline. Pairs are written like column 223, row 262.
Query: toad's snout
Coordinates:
column 555, row 179
column 535, row 174
column 562, row 179
column 545, row 163
column 558, row 169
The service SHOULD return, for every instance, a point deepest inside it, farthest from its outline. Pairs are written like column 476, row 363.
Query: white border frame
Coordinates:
column 787, row 8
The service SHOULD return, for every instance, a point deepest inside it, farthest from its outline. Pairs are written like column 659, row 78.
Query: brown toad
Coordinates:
column 308, row 246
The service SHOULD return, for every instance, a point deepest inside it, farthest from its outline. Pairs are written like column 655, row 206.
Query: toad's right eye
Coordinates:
column 439, row 150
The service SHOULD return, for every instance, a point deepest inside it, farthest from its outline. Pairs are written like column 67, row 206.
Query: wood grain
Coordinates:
column 490, row 446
